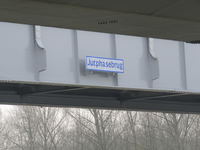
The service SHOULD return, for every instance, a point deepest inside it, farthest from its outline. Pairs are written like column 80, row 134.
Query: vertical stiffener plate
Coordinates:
column 40, row 51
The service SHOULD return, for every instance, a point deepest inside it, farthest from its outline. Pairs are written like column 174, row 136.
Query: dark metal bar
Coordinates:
column 153, row 97
column 54, row 91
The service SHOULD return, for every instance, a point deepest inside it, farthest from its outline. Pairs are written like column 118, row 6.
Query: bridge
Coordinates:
column 49, row 66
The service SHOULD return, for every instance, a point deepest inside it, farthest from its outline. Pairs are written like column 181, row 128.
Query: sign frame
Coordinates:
column 114, row 59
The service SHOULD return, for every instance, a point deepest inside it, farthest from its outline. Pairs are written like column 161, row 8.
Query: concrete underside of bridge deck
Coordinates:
column 171, row 19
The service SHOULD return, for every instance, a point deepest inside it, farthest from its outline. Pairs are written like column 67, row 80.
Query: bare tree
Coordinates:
column 101, row 127
column 178, row 128
column 22, row 124
column 50, row 128
column 131, row 118
column 35, row 128
column 4, row 130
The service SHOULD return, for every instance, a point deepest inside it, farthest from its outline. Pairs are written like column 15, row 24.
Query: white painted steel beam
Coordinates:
column 150, row 65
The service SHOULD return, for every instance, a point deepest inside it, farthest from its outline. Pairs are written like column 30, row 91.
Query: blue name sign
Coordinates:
column 104, row 64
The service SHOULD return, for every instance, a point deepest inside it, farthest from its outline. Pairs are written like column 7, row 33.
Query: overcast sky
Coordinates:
column 5, row 108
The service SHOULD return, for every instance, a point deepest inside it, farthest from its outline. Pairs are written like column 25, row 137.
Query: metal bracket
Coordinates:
column 88, row 72
column 153, row 60
column 109, row 74
column 41, row 52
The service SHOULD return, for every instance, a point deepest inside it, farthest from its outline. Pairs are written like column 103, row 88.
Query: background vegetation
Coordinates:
column 49, row 128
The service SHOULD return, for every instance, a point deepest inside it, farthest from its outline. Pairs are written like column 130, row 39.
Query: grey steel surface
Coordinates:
column 168, row 81
column 166, row 19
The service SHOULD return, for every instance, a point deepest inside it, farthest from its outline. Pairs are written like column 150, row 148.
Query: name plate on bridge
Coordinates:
column 104, row 64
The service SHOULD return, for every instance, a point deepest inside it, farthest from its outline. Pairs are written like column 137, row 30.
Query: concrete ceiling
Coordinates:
column 166, row 19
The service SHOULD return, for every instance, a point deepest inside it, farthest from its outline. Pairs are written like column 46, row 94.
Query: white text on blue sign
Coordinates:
column 104, row 64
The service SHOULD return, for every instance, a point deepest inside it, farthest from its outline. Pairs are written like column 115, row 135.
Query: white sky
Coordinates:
column 5, row 108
